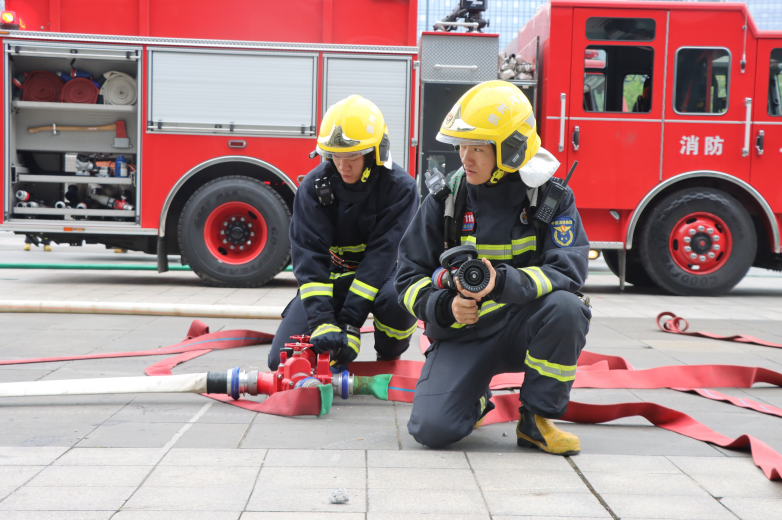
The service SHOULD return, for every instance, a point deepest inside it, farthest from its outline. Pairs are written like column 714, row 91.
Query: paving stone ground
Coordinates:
column 172, row 456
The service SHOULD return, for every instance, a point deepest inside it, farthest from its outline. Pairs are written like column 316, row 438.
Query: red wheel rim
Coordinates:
column 235, row 233
column 700, row 243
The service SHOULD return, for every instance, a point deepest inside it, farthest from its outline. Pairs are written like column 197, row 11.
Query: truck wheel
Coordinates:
column 634, row 269
column 233, row 232
column 698, row 242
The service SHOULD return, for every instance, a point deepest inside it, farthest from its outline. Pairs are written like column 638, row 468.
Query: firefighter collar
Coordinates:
column 539, row 169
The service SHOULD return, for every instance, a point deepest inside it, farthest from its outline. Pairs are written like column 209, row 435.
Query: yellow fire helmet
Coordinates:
column 353, row 127
column 498, row 113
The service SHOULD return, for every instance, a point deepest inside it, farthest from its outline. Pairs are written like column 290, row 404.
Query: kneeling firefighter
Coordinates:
column 349, row 215
column 528, row 318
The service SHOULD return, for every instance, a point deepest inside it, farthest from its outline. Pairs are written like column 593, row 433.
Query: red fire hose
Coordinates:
column 594, row 371
column 41, row 85
column 80, row 90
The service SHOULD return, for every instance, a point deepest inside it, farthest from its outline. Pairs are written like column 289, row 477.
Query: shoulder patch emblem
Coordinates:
column 523, row 217
column 468, row 222
column 562, row 231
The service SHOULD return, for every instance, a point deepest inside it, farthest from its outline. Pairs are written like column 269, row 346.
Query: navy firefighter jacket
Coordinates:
column 497, row 223
column 347, row 249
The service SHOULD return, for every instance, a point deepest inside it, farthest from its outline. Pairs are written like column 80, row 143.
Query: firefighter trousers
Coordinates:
column 393, row 324
column 543, row 339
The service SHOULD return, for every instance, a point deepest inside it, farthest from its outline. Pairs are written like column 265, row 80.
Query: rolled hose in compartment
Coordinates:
column 42, row 86
column 119, row 89
column 80, row 90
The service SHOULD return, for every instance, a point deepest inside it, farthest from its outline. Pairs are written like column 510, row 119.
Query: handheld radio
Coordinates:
column 324, row 191
column 438, row 187
column 548, row 202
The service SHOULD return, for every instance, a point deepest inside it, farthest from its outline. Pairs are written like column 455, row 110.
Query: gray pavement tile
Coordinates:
column 90, row 476
column 176, row 515
column 604, row 396
column 57, row 515
column 12, row 477
column 23, row 456
column 739, row 485
column 528, row 461
column 213, row 436
column 204, row 498
column 91, row 323
column 673, row 507
column 619, row 439
column 426, row 516
column 690, row 402
column 416, row 459
column 66, row 499
column 503, row 517
column 305, row 499
column 314, row 458
column 635, row 483
column 360, row 427
column 424, row 478
column 523, row 480
column 213, row 457
column 142, row 410
column 442, row 501
column 299, row 515
column 544, row 504
column 211, row 476
column 110, row 457
column 317, row 477
column 588, row 462
column 131, row 435
column 754, row 508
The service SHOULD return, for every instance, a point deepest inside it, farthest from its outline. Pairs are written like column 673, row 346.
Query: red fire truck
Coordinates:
column 219, row 135
column 673, row 112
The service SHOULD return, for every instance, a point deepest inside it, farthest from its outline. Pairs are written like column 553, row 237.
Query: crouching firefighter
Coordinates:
column 528, row 318
column 349, row 215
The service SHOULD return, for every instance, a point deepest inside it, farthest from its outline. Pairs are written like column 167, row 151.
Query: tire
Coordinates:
column 684, row 219
column 257, row 227
column 635, row 273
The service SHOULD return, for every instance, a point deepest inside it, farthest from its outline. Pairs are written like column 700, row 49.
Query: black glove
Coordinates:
column 350, row 349
column 328, row 337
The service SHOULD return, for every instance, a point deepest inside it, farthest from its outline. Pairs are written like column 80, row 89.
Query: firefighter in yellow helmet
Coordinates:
column 349, row 214
column 522, row 314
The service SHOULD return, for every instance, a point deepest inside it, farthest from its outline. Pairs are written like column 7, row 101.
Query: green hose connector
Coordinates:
column 326, row 398
column 372, row 385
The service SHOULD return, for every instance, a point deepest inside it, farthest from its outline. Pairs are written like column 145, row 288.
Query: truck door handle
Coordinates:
column 759, row 142
column 576, row 138
column 237, row 144
column 747, row 124
column 562, row 100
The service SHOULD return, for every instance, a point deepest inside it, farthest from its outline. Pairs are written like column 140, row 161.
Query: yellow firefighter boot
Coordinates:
column 27, row 247
column 534, row 431
column 47, row 247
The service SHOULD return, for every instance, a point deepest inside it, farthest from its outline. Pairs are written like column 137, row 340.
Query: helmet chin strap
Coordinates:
column 365, row 175
column 496, row 176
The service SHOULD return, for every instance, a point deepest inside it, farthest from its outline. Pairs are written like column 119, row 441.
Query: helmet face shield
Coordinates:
column 343, row 155
column 460, row 141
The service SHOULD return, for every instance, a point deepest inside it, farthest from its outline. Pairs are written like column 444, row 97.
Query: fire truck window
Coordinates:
column 594, row 92
column 620, row 29
column 775, row 84
column 618, row 79
column 702, row 81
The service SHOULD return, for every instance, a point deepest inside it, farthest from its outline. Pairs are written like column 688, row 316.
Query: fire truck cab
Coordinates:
column 673, row 113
